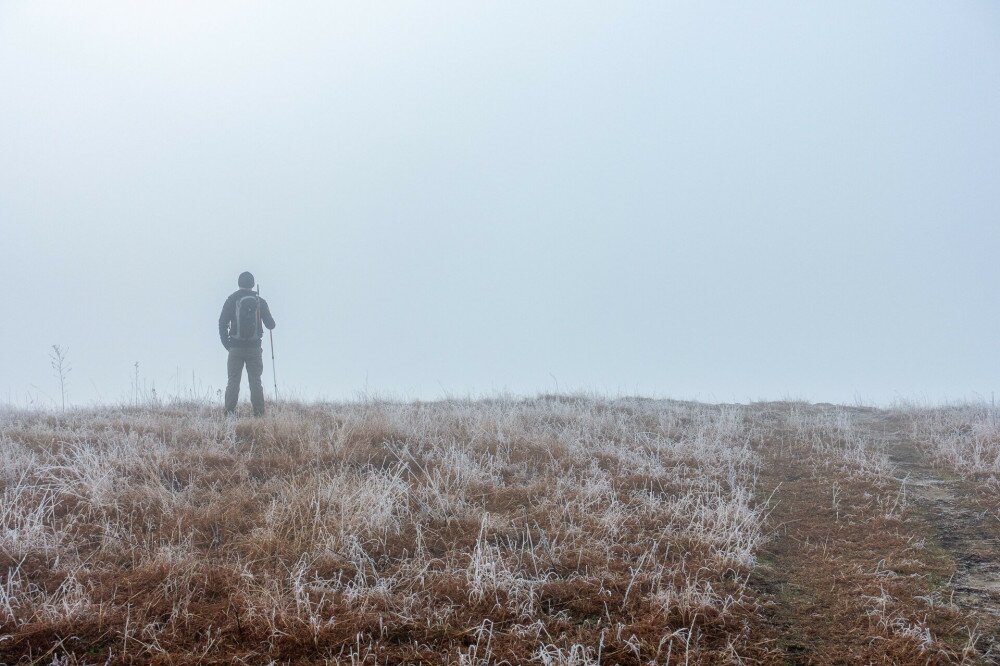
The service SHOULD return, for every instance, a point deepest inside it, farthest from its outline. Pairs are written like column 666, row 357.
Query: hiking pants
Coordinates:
column 253, row 357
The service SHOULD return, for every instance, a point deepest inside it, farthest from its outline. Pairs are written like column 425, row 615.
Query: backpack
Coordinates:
column 247, row 318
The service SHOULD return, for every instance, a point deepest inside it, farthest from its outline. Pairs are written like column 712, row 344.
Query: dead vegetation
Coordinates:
column 559, row 530
column 556, row 530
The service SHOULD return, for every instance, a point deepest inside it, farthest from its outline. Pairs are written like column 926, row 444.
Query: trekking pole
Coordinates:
column 273, row 375
column 270, row 334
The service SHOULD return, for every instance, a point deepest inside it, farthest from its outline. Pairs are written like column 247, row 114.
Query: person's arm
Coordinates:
column 224, row 319
column 265, row 314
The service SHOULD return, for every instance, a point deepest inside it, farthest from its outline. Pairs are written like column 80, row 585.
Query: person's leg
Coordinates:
column 235, row 369
column 255, row 368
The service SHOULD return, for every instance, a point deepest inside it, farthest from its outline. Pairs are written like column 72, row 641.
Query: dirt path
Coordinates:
column 848, row 576
column 963, row 522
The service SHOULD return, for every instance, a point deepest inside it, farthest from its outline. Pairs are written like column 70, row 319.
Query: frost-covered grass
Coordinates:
column 842, row 439
column 554, row 530
column 559, row 530
column 964, row 437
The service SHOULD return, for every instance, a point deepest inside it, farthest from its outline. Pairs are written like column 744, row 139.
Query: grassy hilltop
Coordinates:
column 562, row 530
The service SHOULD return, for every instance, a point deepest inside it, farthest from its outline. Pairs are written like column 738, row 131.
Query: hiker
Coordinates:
column 241, row 333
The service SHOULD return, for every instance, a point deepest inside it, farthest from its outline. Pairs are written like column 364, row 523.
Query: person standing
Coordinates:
column 241, row 332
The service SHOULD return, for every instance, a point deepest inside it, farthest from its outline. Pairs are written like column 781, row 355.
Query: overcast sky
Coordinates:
column 721, row 201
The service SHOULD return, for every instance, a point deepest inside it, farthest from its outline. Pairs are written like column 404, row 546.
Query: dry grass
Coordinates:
column 560, row 530
column 557, row 530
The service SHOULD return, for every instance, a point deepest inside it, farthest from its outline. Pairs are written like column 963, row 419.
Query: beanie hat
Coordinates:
column 246, row 280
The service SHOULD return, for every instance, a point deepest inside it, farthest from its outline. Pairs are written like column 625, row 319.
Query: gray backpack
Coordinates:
column 247, row 318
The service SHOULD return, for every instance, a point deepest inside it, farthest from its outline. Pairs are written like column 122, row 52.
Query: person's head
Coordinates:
column 246, row 280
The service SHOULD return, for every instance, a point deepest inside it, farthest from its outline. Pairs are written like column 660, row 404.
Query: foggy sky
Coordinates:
column 721, row 201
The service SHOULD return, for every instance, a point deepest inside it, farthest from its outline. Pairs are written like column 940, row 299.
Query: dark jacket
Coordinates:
column 227, row 321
